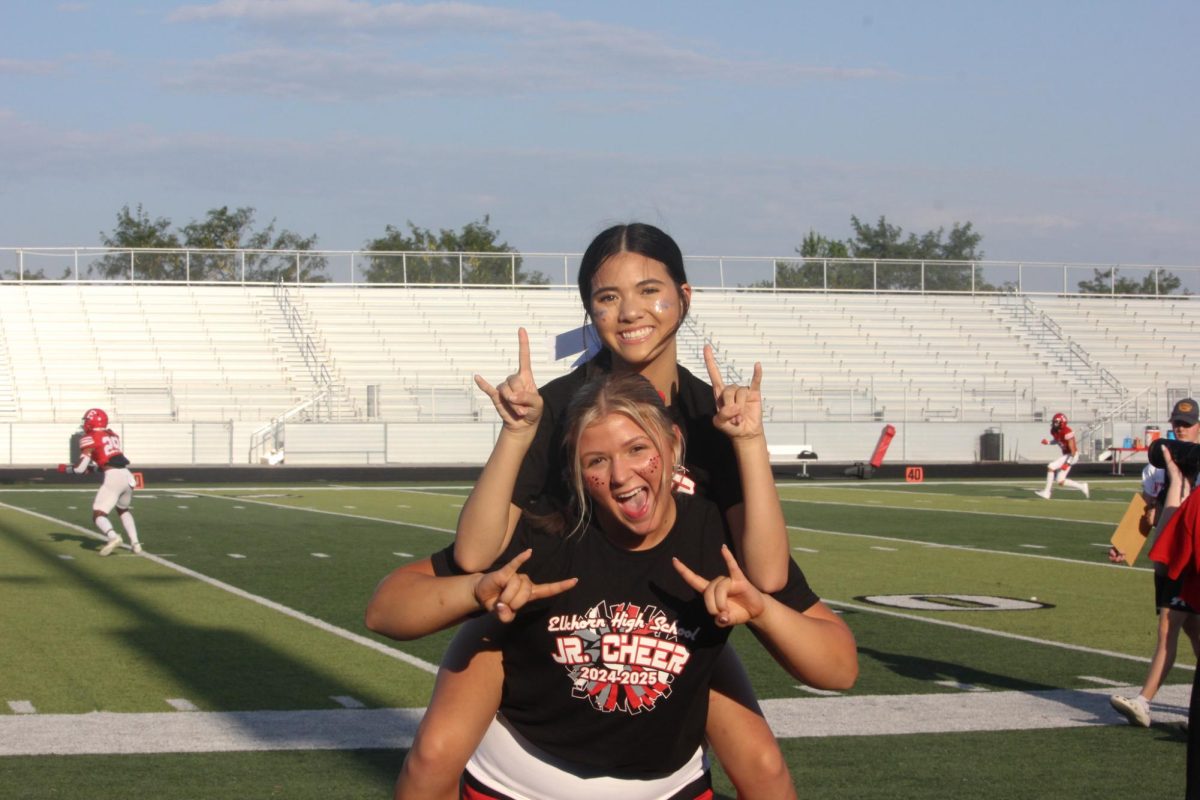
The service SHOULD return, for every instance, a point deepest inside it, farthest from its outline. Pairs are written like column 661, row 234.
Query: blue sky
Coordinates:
column 1065, row 131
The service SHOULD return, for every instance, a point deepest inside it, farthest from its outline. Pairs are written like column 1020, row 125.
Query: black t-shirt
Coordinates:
column 613, row 674
column 708, row 454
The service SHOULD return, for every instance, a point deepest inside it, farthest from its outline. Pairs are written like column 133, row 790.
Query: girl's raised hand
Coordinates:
column 731, row 599
column 505, row 591
column 739, row 409
column 516, row 399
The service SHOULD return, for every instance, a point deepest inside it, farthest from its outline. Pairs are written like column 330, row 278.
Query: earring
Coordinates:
column 680, row 482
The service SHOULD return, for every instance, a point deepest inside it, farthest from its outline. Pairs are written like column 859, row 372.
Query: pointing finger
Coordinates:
column 735, row 571
column 692, row 579
column 525, row 367
column 756, row 380
column 486, row 387
column 510, row 569
column 714, row 371
column 541, row 590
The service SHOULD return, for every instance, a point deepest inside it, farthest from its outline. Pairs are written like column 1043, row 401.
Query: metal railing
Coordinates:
column 1078, row 355
column 269, row 439
column 313, row 362
column 746, row 273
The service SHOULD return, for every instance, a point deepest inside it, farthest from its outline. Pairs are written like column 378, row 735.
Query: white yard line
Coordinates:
column 426, row 666
column 951, row 511
column 320, row 624
column 390, row 728
column 1001, row 634
column 103, row 732
column 964, row 547
column 955, row 712
column 329, row 513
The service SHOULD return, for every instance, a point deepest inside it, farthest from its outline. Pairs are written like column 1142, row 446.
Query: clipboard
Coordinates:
column 1130, row 535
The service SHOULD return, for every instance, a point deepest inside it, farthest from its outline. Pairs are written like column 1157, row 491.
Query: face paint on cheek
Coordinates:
column 599, row 315
column 651, row 469
column 662, row 306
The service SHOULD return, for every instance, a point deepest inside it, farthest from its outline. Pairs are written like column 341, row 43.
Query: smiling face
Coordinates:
column 636, row 309
column 625, row 474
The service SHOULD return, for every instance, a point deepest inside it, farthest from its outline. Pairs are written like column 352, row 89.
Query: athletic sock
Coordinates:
column 106, row 527
column 1049, row 481
column 130, row 528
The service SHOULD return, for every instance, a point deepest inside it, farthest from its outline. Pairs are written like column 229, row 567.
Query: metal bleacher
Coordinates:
column 147, row 352
column 212, row 352
column 867, row 356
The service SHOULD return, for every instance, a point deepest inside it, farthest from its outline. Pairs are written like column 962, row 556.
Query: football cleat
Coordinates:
column 137, row 548
column 110, row 545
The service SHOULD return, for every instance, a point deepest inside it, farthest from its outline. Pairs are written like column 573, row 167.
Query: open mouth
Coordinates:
column 634, row 504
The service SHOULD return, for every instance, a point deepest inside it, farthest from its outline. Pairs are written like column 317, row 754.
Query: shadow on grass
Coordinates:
column 932, row 670
column 219, row 668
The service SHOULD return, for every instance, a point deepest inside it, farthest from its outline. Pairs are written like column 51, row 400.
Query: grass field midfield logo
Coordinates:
column 953, row 602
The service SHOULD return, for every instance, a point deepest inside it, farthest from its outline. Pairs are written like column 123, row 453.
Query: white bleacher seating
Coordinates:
column 227, row 352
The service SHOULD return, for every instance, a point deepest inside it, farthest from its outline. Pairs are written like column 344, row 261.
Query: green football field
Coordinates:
column 232, row 662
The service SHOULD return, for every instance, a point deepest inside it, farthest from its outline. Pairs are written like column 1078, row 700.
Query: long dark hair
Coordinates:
column 634, row 237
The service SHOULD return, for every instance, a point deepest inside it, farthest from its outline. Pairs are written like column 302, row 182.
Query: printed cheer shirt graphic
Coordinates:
column 613, row 674
column 622, row 657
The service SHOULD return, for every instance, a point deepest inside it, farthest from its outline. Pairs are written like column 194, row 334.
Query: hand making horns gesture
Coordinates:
column 739, row 409
column 516, row 399
column 505, row 591
column 731, row 599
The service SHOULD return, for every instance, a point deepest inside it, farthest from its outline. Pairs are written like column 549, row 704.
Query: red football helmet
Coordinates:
column 94, row 419
column 1056, row 422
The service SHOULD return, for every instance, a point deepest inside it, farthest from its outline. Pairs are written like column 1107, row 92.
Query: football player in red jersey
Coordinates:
column 1056, row 471
column 102, row 447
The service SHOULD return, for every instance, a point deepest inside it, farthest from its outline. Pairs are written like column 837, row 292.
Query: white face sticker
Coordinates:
column 662, row 306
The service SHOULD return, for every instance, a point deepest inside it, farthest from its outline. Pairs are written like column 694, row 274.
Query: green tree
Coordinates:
column 28, row 274
column 139, row 234
column 881, row 256
column 885, row 243
column 474, row 255
column 137, row 230
column 812, row 272
column 1158, row 282
column 269, row 255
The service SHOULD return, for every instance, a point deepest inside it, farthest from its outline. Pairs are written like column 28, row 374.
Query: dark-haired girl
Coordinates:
column 634, row 288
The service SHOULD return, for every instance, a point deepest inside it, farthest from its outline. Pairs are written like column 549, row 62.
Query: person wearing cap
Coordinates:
column 1174, row 615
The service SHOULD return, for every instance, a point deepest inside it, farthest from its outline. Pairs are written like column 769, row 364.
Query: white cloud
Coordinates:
column 318, row 15
column 514, row 51
column 1038, row 222
column 347, row 187
column 341, row 77
column 26, row 66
